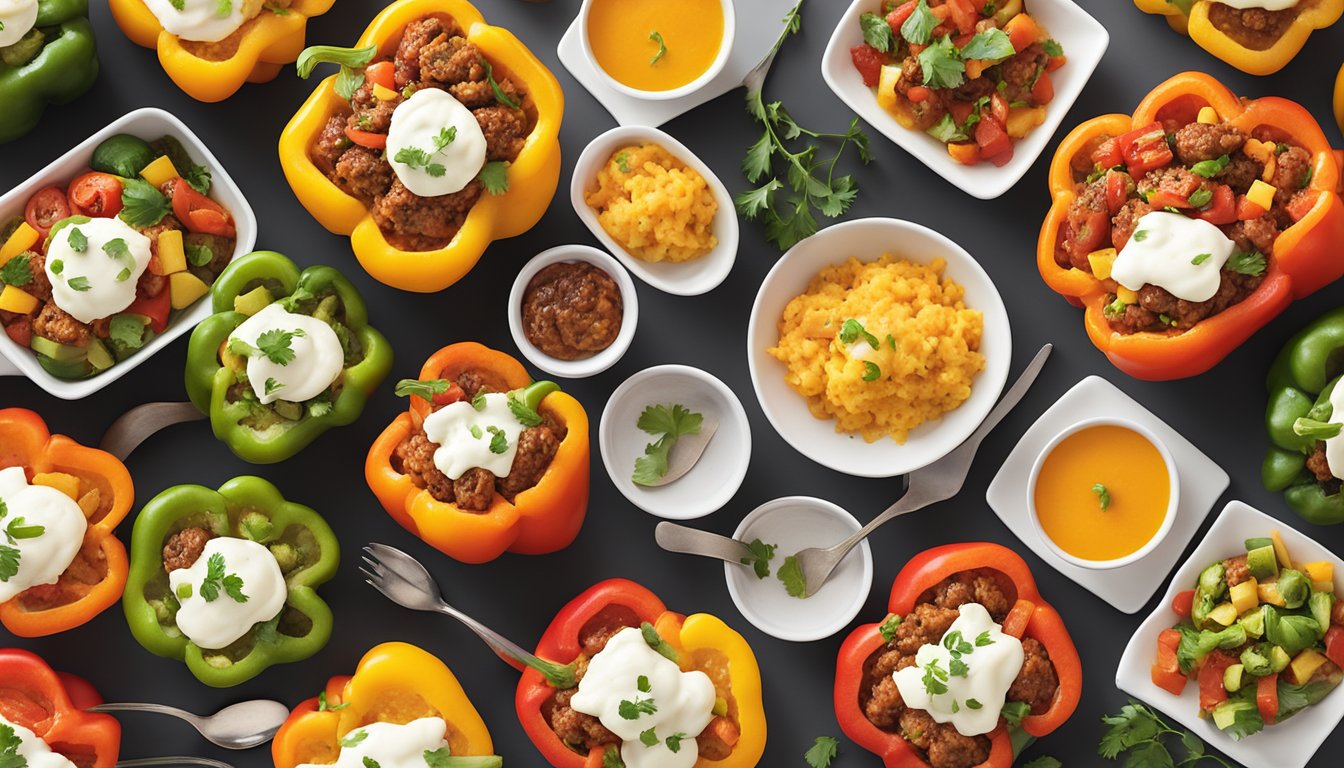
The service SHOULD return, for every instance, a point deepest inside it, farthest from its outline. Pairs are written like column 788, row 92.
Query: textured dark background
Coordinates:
column 1220, row 411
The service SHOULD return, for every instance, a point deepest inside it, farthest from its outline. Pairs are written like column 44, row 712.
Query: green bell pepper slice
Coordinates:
column 264, row 434
column 244, row 507
column 59, row 73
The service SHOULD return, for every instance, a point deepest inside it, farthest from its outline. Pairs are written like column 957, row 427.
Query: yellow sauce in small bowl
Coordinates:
column 624, row 37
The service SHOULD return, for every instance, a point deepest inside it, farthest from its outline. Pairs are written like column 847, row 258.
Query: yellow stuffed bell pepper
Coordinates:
column 1262, row 49
column 1339, row 98
column 415, row 243
column 215, row 71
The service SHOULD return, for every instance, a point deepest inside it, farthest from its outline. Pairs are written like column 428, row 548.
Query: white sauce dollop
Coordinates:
column 684, row 701
column 463, row 435
column 1334, row 447
column 35, row 750
column 318, row 356
column 390, row 745
column 108, row 281
column 1268, row 5
column 1162, row 252
column 974, row 701
column 416, row 125
column 43, row 558
column 17, row 16
column 216, row 623
column 204, row 21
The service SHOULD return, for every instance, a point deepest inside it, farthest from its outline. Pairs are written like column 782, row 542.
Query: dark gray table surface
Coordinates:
column 1220, row 411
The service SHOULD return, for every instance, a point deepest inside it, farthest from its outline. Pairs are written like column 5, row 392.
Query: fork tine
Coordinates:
column 373, row 563
column 371, row 577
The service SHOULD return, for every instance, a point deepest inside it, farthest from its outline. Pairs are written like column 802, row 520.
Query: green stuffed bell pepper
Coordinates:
column 286, row 356
column 1301, row 418
column 50, row 59
column 226, row 580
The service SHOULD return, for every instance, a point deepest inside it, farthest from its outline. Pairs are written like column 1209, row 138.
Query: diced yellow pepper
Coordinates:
column 24, row 237
column 1259, row 151
column 1269, row 593
column 1245, row 595
column 17, row 300
column 1023, row 120
column 1280, row 549
column 383, row 93
column 89, row 502
column 1261, row 194
column 185, row 288
column 1270, row 168
column 159, row 171
column 1321, row 570
column 1124, row 294
column 172, row 255
column 886, row 86
column 1224, row 614
column 1101, row 262
column 1208, row 116
column 62, row 481
column 1305, row 664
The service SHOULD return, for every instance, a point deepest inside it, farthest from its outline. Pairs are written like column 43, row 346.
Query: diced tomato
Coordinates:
column 1043, row 91
column 156, row 308
column 1247, row 210
column 1211, row 690
column 377, row 140
column 1022, row 31
column 1267, row 698
column 453, row 394
column 20, row 330
column 1166, row 670
column 1107, row 154
column 963, row 15
column 1118, row 187
column 867, row 60
column 725, row 730
column 1222, row 209
column 199, row 213
column 1161, row 200
column 993, row 139
column 1334, row 645
column 383, row 73
column 1181, row 605
column 899, row 14
column 918, row 93
column 1015, row 623
column 998, row 107
column 1301, row 204
column 1055, row 62
column 1087, row 230
column 960, row 110
column 1145, row 149
column 965, row 153
column 45, row 208
column 97, row 195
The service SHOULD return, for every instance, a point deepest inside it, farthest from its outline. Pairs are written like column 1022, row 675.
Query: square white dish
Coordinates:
column 148, row 123
column 1084, row 40
column 1202, row 482
column 1289, row 744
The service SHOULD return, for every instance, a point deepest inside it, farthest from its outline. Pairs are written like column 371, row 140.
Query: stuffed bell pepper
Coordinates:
column 226, row 580
column 484, row 460
column 1259, row 37
column 60, row 561
column 438, row 136
column 624, row 681
column 403, row 708
column 209, row 48
column 42, row 719
column 287, row 355
column 1185, row 228
column 47, row 56
column 968, row 667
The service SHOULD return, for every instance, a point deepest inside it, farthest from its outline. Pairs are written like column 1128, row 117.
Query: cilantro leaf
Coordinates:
column 276, row 345
column 671, row 422
column 947, row 131
column 988, row 45
column 425, row 390
column 1014, row 711
column 918, row 28
column 198, row 176
column 78, row 242
column 942, row 65
column 324, row 706
column 79, row 283
column 759, row 558
column 888, row 627
column 500, row 95
column 673, row 742
column 852, row 330
column 754, row 202
column 9, row 562
column 199, row 255
column 648, row 738
column 351, row 60
column 791, row 573
column 611, row 758
column 876, row 32
column 1103, row 496
column 633, row 710
column 1247, row 263
column 369, row 762
column 642, row 684
column 438, row 758
column 756, row 163
column 494, row 176
column 823, row 748
column 1134, row 725
column 353, row 739
column 214, row 574
column 142, row 204
column 1052, row 48
column 657, row 37
column 17, row 271
column 525, row 415
column 499, row 442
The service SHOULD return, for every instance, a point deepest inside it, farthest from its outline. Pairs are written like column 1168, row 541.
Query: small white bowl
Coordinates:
column 716, row 476
column 1084, row 40
column 716, row 66
column 866, row 240
column 148, row 123
column 686, row 278
column 795, row 523
column 1173, row 500
column 588, row 366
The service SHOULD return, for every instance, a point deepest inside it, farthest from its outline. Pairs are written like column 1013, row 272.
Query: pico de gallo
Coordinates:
column 974, row 75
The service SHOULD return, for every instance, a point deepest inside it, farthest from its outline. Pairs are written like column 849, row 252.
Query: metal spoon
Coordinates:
column 143, row 762
column 137, row 424
column 239, row 726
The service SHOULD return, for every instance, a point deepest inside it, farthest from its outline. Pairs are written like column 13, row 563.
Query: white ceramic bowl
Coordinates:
column 588, row 366
column 1289, row 744
column 795, row 523
column 867, row 239
column 149, row 124
column 1084, row 40
column 686, row 278
column 1173, row 501
column 717, row 475
column 716, row 66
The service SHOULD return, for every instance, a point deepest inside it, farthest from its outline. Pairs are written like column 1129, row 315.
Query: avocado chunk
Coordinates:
column 99, row 357
column 253, row 301
column 1278, row 660
column 122, row 155
column 57, row 351
column 1263, row 563
column 1232, row 678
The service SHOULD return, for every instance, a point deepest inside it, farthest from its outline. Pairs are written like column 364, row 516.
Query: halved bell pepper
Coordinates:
column 533, row 176
column 395, row 683
column 1030, row 617
column 244, row 507
column 1306, row 257
column 1252, row 56
column 701, row 641
column 105, row 486
column 215, row 71
column 51, row 705
column 319, row 291
column 1339, row 98
column 55, row 64
column 544, row 518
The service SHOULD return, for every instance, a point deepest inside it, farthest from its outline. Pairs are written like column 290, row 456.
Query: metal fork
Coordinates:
column 144, row 762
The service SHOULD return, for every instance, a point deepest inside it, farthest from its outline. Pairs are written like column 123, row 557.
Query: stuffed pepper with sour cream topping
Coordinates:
column 43, row 722
column 47, row 56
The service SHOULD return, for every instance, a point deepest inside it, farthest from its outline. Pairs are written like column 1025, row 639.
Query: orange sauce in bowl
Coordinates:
column 620, row 36
column 1069, row 507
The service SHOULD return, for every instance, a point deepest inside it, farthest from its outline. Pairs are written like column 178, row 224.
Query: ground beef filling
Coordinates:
column 475, row 490
column 572, row 310
column 184, row 548
column 1254, row 28
column 880, row 699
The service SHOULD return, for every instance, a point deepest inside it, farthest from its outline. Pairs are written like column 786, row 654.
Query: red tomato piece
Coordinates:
column 1222, row 209
column 1301, row 204
column 1247, row 210
column 453, row 394
column 918, row 93
column 374, row 140
column 867, row 60
column 1267, row 698
column 1145, row 149
column 899, row 14
column 998, row 107
column 97, row 195
column 1162, row 199
column 1181, row 606
column 45, row 208
column 1118, row 187
column 20, row 330
column 1043, row 91
column 1166, row 670
column 156, row 308
column 1107, row 154
column 1211, row 690
column 382, row 73
column 993, row 139
column 1334, row 645
column 963, row 15
column 199, row 213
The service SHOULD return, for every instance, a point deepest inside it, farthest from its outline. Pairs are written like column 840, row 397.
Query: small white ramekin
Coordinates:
column 716, row 66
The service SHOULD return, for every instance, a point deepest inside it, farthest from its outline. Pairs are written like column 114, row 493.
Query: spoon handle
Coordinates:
column 514, row 655
column 693, row 541
column 143, row 762
column 161, row 709
column 138, row 424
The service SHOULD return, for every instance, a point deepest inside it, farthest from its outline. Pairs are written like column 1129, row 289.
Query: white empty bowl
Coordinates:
column 685, row 278
column 588, row 366
column 717, row 475
column 792, row 524
column 716, row 66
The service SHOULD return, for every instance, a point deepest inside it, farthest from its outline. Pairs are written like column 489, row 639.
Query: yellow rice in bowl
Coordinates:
column 927, row 353
column 654, row 205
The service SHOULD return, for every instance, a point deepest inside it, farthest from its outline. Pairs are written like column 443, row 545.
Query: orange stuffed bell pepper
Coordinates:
column 735, row 735
column 410, row 231
column 923, row 601
column 1256, row 41
column 1274, row 192
column 399, row 696
column 50, row 706
column 213, row 71
column 532, row 507
column 69, row 583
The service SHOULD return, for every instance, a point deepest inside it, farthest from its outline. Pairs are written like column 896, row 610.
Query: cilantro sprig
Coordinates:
column 1103, row 496
column 1139, row 735
column 791, row 574
column 415, row 157
column 275, row 345
column 823, row 748
column 670, row 423
column 17, row 271
column 759, row 557
column 657, row 37
column 217, row 578
column 351, row 60
column 423, row 389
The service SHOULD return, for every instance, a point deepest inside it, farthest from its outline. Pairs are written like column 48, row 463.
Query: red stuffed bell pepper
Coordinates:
column 50, row 706
column 924, row 602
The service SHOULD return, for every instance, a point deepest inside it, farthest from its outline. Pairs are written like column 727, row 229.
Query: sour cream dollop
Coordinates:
column 97, row 280
column 1163, row 251
column 417, row 126
column 18, row 17
column 390, row 745
column 204, row 21
column 971, row 702
column 317, row 355
column 1268, row 5
column 683, row 701
column 214, row 624
column 34, row 750
column 1334, row 447
column 43, row 557
column 464, row 436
